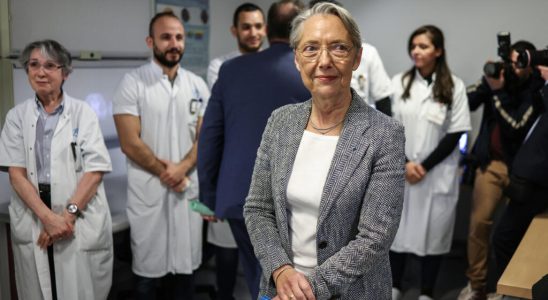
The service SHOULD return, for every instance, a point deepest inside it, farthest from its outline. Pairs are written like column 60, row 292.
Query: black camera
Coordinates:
column 535, row 58
column 493, row 69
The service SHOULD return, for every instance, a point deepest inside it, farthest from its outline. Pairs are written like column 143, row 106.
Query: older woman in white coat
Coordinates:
column 431, row 104
column 326, row 192
column 53, row 149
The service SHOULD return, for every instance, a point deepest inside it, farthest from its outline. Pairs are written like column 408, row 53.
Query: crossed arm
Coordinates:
column 55, row 226
column 172, row 174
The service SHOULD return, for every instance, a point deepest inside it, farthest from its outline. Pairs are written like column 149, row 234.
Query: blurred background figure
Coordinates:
column 158, row 108
column 431, row 104
column 53, row 149
column 511, row 103
column 249, row 29
column 248, row 89
column 528, row 186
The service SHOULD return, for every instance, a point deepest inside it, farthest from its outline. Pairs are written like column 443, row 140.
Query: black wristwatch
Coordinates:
column 73, row 209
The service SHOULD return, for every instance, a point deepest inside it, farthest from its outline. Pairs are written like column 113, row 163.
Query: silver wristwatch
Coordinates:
column 73, row 209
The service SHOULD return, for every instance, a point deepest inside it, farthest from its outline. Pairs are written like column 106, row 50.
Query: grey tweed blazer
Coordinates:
column 360, row 206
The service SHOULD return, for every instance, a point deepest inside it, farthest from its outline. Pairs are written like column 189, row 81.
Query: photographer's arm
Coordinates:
column 479, row 94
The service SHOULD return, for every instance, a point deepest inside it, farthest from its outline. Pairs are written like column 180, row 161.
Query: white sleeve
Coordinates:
column 90, row 139
column 213, row 72
column 126, row 97
column 12, row 144
column 204, row 94
column 460, row 113
column 395, row 97
column 379, row 83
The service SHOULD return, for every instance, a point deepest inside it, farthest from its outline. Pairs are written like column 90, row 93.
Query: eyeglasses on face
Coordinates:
column 337, row 51
column 48, row 66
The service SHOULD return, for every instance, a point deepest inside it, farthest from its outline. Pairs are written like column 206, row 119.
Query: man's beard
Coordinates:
column 248, row 49
column 161, row 57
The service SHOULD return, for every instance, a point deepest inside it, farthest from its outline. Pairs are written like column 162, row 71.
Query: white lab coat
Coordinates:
column 83, row 265
column 426, row 226
column 370, row 80
column 166, row 235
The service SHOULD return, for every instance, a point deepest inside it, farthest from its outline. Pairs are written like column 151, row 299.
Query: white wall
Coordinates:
column 470, row 28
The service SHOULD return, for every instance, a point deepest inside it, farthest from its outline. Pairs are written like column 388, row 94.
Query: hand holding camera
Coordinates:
column 543, row 72
column 495, row 83
column 494, row 69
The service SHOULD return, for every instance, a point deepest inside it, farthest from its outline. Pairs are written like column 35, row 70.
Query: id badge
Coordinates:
column 436, row 113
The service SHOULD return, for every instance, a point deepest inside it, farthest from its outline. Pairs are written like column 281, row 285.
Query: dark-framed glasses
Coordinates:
column 48, row 66
column 337, row 51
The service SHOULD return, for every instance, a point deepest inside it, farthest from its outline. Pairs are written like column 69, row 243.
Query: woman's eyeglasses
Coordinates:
column 337, row 51
column 48, row 66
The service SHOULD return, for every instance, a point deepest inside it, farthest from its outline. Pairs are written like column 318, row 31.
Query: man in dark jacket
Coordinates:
column 510, row 107
column 248, row 89
column 527, row 189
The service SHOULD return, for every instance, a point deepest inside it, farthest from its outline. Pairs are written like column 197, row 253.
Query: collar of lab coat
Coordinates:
column 159, row 73
column 419, row 78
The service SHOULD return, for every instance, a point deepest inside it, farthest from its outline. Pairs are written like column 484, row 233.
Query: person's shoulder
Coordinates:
column 138, row 74
column 458, row 83
column 240, row 59
column 289, row 110
column 368, row 47
column 141, row 70
column 397, row 79
column 385, row 121
column 189, row 75
column 78, row 106
column 20, row 109
column 384, row 127
column 218, row 61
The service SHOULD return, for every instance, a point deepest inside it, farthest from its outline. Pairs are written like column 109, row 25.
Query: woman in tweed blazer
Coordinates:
column 327, row 189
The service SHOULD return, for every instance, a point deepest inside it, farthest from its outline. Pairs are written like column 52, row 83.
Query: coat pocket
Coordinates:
column 94, row 229
column 21, row 224
column 446, row 174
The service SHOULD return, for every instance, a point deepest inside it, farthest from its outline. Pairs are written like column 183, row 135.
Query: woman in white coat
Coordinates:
column 431, row 104
column 53, row 149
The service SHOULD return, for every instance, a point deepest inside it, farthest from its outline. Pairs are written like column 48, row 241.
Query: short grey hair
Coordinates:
column 50, row 49
column 325, row 8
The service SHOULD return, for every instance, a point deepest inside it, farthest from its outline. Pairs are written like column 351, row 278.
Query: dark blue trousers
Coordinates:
column 248, row 260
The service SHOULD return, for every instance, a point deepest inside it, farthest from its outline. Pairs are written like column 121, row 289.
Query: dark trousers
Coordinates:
column 250, row 264
column 45, row 195
column 171, row 286
column 514, row 223
column 430, row 266
column 226, row 261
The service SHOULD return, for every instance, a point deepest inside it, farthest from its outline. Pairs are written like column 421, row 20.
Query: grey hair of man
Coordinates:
column 325, row 8
column 51, row 50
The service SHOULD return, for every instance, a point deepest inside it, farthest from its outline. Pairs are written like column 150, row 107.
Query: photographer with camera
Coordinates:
column 528, row 186
column 511, row 99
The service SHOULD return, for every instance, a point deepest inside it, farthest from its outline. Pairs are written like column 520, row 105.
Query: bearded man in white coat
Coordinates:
column 157, row 111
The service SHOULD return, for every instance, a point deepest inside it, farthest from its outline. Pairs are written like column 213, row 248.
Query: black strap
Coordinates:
column 45, row 195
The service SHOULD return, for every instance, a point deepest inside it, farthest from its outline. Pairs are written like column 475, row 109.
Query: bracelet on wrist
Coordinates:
column 280, row 274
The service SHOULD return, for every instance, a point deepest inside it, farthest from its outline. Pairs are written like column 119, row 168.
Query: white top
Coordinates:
column 426, row 226
column 370, row 79
column 304, row 192
column 215, row 66
column 166, row 235
column 219, row 233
